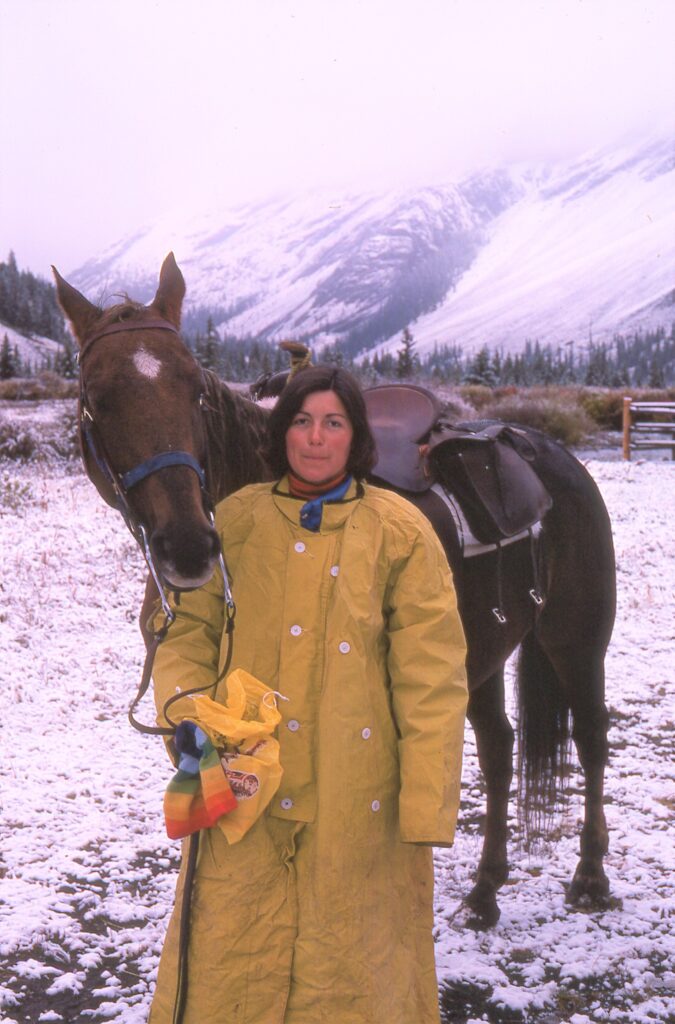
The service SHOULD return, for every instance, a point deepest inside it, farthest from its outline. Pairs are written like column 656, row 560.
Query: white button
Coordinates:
column 344, row 647
column 294, row 725
column 296, row 630
column 299, row 547
column 375, row 806
column 334, row 570
column 287, row 803
column 366, row 733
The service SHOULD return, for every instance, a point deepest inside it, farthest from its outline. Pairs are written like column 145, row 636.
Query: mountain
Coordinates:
column 502, row 256
column 33, row 349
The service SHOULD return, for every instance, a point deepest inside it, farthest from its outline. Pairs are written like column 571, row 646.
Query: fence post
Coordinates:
column 626, row 428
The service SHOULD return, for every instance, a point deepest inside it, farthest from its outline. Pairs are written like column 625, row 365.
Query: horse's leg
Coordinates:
column 582, row 676
column 494, row 740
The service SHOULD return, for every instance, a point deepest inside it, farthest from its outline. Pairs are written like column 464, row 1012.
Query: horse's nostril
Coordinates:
column 160, row 546
column 215, row 544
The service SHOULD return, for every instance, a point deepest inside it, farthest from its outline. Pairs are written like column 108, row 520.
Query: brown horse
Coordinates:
column 163, row 440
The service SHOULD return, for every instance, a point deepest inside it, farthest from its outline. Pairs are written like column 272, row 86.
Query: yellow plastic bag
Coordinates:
column 241, row 730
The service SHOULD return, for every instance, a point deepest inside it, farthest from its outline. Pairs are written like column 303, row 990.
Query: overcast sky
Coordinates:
column 114, row 112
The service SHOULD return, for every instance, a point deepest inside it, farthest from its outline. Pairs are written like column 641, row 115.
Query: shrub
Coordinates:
column 64, row 444
column 560, row 419
column 14, row 494
column 604, row 407
column 44, row 438
column 477, row 395
column 15, row 443
column 32, row 389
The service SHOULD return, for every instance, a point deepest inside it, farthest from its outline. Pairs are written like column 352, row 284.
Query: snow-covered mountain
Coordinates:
column 32, row 348
column 503, row 256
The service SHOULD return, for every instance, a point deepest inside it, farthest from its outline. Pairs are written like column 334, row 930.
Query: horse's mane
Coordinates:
column 127, row 309
column 235, row 430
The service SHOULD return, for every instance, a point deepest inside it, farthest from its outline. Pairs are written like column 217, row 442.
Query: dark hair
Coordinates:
column 362, row 456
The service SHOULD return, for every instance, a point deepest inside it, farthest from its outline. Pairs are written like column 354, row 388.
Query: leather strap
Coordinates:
column 123, row 326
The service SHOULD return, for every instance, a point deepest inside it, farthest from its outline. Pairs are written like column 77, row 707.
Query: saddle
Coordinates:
column 485, row 466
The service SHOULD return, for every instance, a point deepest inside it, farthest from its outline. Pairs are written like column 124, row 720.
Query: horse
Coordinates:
column 164, row 440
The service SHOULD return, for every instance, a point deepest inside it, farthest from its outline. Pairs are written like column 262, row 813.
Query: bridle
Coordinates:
column 118, row 486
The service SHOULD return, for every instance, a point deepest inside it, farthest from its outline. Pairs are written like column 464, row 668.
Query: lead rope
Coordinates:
column 184, row 934
column 170, row 730
column 193, row 849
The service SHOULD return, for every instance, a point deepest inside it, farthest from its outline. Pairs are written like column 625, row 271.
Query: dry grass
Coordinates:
column 34, row 389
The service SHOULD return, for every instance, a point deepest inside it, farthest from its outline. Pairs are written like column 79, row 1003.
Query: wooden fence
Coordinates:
column 648, row 425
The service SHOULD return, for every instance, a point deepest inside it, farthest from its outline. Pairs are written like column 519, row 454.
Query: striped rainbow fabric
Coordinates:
column 199, row 793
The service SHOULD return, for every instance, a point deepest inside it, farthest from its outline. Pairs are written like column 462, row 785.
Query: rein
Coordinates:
column 120, row 484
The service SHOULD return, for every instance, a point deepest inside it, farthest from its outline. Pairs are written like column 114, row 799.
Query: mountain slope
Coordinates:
column 547, row 253
column 33, row 349
column 591, row 251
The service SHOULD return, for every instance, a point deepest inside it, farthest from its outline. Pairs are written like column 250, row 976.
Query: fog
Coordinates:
column 113, row 114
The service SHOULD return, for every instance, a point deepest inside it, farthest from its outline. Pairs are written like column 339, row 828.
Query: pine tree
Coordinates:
column 65, row 363
column 479, row 370
column 406, row 360
column 8, row 367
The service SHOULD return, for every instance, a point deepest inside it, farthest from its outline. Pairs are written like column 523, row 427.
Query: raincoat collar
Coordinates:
column 335, row 513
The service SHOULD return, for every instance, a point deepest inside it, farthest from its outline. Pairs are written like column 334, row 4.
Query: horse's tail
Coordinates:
column 543, row 737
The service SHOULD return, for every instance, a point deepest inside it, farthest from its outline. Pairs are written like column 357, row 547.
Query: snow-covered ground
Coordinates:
column 87, row 873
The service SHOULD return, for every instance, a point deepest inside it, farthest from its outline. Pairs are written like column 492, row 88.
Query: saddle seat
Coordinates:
column 400, row 417
column 485, row 466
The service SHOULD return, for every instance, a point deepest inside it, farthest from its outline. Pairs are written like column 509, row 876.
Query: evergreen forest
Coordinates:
column 643, row 359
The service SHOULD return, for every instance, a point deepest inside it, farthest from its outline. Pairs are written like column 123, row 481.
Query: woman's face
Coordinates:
column 319, row 438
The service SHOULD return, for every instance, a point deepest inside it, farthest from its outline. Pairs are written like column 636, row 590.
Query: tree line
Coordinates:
column 642, row 359
column 28, row 302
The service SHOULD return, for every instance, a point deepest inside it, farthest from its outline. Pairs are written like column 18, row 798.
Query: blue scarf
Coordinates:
column 311, row 511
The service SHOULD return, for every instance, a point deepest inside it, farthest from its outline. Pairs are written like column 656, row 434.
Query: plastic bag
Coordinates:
column 240, row 731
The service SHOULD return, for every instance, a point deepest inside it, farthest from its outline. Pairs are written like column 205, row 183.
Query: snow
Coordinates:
column 87, row 873
column 33, row 347
column 559, row 265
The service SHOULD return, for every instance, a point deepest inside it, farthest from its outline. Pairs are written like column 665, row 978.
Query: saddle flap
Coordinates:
column 498, row 490
column 400, row 416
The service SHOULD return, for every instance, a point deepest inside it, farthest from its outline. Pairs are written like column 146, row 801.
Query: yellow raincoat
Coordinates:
column 323, row 912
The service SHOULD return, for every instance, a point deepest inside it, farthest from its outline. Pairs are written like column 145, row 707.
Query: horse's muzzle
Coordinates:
column 185, row 559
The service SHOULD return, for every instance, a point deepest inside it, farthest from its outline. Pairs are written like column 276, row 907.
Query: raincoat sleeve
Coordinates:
column 190, row 653
column 426, row 662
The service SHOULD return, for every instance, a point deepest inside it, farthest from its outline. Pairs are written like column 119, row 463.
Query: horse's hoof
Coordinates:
column 589, row 890
column 469, row 918
column 480, row 910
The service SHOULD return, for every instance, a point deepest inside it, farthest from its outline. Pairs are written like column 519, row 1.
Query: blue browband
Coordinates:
column 161, row 461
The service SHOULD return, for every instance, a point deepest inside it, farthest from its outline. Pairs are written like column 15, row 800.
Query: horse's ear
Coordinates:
column 81, row 313
column 169, row 298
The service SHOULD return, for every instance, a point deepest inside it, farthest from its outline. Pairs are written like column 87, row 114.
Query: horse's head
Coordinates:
column 141, row 426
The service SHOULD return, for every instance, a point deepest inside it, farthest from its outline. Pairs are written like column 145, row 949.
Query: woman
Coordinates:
column 323, row 912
